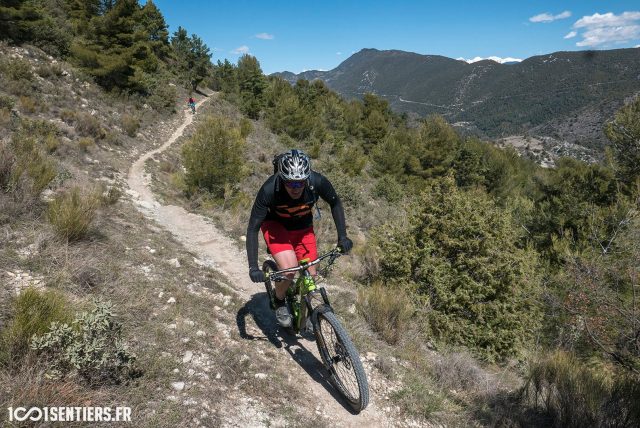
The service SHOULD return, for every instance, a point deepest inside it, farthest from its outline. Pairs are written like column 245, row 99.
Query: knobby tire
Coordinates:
column 342, row 359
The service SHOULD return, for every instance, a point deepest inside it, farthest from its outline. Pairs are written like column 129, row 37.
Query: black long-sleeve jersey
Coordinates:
column 274, row 203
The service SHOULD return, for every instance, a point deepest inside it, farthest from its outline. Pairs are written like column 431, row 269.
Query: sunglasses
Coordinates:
column 295, row 184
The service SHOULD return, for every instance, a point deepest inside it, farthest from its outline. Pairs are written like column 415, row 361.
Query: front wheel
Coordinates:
column 341, row 359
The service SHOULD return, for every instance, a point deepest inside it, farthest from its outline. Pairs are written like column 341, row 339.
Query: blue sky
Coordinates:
column 298, row 36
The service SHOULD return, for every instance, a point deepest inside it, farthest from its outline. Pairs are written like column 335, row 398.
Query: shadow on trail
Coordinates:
column 258, row 308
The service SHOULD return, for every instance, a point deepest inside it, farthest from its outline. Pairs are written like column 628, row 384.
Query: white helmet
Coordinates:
column 294, row 165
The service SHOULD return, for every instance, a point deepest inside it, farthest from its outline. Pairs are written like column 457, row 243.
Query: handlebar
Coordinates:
column 277, row 275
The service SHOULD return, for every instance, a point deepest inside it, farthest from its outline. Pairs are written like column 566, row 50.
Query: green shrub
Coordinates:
column 91, row 347
column 388, row 189
column 458, row 250
column 16, row 69
column 214, row 156
column 130, row 124
column 246, row 127
column 387, row 309
column 72, row 213
column 31, row 314
column 7, row 102
column 48, row 70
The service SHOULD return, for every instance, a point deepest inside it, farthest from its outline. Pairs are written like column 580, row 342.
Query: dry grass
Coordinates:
column 387, row 310
column 85, row 143
column 72, row 213
column 31, row 313
column 130, row 124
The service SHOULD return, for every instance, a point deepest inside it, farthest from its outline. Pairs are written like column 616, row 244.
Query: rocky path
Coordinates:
column 200, row 236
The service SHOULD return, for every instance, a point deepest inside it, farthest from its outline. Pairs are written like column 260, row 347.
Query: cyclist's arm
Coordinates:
column 258, row 214
column 328, row 193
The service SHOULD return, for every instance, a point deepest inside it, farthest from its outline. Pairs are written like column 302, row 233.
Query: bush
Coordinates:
column 91, row 347
column 387, row 309
column 246, row 127
column 25, row 170
column 459, row 252
column 575, row 395
column 32, row 313
column 214, row 156
column 388, row 189
column 72, row 213
column 418, row 397
column 7, row 102
column 28, row 104
column 89, row 126
column 130, row 124
column 17, row 69
column 85, row 142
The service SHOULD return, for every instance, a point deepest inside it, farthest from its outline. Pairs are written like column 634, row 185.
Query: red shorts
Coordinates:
column 278, row 239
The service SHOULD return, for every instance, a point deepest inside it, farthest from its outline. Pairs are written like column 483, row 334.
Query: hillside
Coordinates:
column 565, row 96
column 204, row 339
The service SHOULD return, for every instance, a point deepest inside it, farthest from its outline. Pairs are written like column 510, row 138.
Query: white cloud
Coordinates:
column 608, row 29
column 547, row 17
column 241, row 50
column 265, row 36
column 338, row 53
column 493, row 58
column 571, row 35
column 637, row 46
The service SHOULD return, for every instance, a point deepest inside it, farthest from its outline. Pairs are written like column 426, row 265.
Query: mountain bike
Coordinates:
column 311, row 310
column 193, row 108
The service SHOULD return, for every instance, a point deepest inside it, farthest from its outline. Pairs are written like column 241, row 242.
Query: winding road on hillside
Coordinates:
column 201, row 237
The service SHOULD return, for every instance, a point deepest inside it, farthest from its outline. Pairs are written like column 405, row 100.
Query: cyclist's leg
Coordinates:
column 279, row 244
column 304, row 244
column 284, row 259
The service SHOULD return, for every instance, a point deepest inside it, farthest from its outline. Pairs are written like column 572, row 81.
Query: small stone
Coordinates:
column 172, row 398
column 191, row 372
column 178, row 386
column 260, row 375
column 161, row 294
column 243, row 238
column 176, row 370
column 185, row 340
column 187, row 357
column 371, row 356
column 171, row 326
column 352, row 309
column 175, row 263
column 171, row 300
column 200, row 333
column 218, row 375
column 190, row 323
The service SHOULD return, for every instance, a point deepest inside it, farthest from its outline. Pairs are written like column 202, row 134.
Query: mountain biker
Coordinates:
column 282, row 210
column 192, row 104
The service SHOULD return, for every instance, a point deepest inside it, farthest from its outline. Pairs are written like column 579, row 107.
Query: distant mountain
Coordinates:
column 563, row 95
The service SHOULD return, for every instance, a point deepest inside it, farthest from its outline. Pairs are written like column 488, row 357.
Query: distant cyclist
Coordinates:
column 192, row 104
column 283, row 211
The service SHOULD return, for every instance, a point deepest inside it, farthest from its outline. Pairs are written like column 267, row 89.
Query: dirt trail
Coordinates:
column 199, row 235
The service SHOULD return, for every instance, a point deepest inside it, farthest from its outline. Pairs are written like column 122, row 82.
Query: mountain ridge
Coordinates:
column 543, row 94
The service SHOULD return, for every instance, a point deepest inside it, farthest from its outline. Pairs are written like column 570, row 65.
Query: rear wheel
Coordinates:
column 341, row 359
column 267, row 267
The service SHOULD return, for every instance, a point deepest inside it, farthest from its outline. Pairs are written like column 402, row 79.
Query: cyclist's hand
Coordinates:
column 345, row 244
column 256, row 275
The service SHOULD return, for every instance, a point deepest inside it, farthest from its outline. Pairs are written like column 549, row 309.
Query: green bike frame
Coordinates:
column 303, row 291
